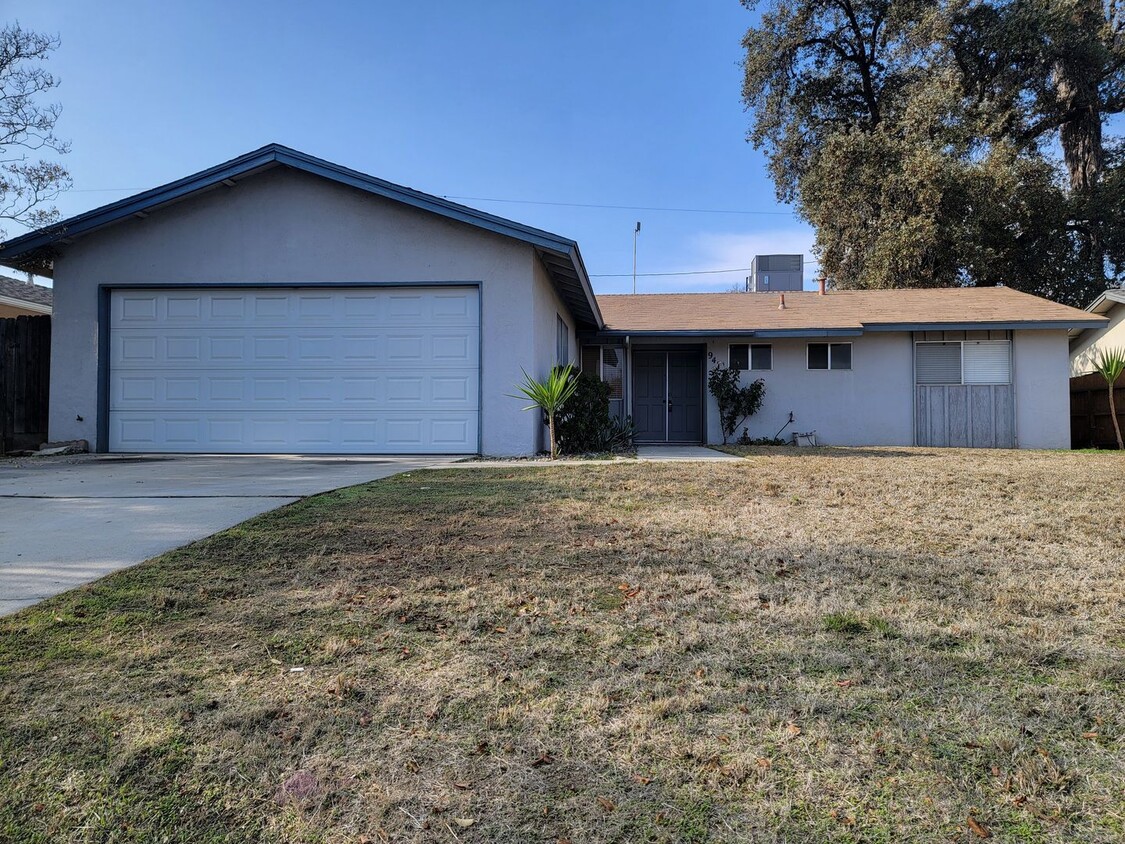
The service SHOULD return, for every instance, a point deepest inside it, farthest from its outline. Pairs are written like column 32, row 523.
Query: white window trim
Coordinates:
column 830, row 367
column 561, row 323
column 750, row 357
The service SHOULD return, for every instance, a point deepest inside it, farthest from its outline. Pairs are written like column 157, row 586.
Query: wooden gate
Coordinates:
column 1090, row 423
column 965, row 416
column 25, row 373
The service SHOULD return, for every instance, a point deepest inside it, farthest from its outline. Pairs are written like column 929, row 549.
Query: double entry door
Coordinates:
column 668, row 396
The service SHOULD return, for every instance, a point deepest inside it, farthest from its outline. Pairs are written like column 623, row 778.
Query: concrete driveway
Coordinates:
column 67, row 521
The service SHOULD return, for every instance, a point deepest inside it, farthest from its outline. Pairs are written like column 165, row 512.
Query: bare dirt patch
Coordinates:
column 802, row 646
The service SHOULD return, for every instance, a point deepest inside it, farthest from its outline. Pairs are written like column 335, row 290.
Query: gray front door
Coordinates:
column 668, row 396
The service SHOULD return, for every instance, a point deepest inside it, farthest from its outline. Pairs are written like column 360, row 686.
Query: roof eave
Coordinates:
column 618, row 333
column 36, row 307
column 1010, row 325
column 25, row 251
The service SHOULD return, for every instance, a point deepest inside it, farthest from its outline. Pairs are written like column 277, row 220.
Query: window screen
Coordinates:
column 761, row 357
column 739, row 356
column 612, row 369
column 840, row 356
column 937, row 363
column 562, row 343
column 818, row 355
column 987, row 363
column 592, row 360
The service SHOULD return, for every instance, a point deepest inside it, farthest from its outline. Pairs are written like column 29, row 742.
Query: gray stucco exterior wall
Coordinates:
column 873, row 403
column 1041, row 371
column 283, row 226
column 870, row 404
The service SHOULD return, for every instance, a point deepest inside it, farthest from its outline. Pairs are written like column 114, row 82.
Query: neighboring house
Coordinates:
column 1085, row 343
column 280, row 303
column 19, row 298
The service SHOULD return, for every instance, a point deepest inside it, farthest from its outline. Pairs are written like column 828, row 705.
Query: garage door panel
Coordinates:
column 241, row 348
column 264, row 433
column 440, row 389
column 339, row 306
column 340, row 370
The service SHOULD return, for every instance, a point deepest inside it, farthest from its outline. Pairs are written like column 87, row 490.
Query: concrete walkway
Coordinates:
column 681, row 452
column 68, row 521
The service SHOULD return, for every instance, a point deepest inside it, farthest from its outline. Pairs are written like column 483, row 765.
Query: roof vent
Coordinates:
column 781, row 307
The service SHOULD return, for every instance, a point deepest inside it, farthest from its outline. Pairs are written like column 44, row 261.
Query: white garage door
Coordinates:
column 391, row 370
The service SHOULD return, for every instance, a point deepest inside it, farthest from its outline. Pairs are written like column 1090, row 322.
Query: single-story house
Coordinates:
column 278, row 303
column 22, row 298
column 1085, row 343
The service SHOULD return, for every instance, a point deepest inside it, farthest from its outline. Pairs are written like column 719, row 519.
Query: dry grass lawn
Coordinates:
column 804, row 646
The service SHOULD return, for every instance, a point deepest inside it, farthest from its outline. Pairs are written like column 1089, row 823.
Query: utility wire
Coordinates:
column 684, row 272
column 615, row 207
column 531, row 202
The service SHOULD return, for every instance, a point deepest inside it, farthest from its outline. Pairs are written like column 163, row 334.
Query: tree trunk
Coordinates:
column 551, row 428
column 1113, row 416
column 1076, row 87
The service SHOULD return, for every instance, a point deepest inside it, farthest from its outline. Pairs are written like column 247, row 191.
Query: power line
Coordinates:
column 532, row 202
column 683, row 272
column 616, row 207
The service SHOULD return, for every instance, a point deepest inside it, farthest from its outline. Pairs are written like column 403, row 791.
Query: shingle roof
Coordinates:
column 843, row 310
column 11, row 288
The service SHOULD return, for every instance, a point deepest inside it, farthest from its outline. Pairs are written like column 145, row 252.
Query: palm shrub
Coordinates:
column 549, row 396
column 1110, row 364
column 736, row 402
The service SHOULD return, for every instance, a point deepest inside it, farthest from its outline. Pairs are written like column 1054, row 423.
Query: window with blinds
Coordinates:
column 937, row 363
column 963, row 362
column 987, row 362
column 613, row 368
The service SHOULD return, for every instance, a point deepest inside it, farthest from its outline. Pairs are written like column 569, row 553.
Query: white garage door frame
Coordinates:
column 105, row 301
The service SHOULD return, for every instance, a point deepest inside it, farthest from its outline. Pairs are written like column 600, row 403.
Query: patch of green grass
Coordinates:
column 845, row 622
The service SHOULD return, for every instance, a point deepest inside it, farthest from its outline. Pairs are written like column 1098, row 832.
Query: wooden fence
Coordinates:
column 25, row 376
column 1090, row 424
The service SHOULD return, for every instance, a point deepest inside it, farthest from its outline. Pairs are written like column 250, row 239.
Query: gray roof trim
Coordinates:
column 1028, row 325
column 617, row 335
column 20, row 250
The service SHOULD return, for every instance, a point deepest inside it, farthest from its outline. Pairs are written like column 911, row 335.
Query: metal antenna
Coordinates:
column 636, row 231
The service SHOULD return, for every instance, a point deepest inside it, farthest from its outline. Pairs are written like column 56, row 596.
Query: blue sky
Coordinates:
column 602, row 103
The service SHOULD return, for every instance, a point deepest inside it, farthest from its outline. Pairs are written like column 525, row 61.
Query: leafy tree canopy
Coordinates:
column 29, row 179
column 947, row 142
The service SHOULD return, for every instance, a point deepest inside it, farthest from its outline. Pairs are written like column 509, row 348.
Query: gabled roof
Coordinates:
column 1104, row 304
column 1107, row 302
column 560, row 255
column 839, row 312
column 20, row 294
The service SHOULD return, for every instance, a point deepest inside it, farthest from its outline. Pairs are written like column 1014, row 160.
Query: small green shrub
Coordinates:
column 584, row 426
column 580, row 423
column 736, row 402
